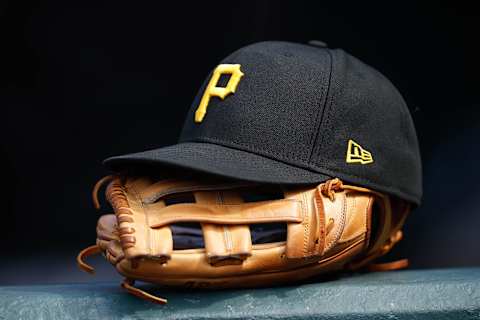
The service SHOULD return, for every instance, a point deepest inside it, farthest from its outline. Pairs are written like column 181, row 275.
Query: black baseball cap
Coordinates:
column 288, row 113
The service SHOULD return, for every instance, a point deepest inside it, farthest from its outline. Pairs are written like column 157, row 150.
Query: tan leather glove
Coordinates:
column 216, row 234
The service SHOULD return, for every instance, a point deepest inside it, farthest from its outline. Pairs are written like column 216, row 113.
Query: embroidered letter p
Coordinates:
column 213, row 91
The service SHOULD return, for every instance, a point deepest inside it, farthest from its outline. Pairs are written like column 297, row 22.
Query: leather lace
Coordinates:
column 95, row 249
column 97, row 187
column 330, row 186
column 127, row 284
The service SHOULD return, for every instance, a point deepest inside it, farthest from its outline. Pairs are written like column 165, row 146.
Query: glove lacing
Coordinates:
column 127, row 284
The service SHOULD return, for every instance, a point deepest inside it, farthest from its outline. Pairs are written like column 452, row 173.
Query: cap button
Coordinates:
column 318, row 43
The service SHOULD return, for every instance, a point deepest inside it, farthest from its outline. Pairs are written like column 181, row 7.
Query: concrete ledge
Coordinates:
column 412, row 294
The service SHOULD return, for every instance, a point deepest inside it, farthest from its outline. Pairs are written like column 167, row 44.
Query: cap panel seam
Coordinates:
column 321, row 112
column 324, row 129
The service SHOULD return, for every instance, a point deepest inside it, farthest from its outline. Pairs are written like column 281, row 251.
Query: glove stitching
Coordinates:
column 226, row 233
column 306, row 226
column 341, row 227
column 144, row 209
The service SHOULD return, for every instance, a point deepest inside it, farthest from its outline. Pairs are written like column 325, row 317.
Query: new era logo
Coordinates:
column 357, row 154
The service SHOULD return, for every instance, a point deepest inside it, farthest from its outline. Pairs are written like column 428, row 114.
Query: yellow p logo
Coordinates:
column 213, row 91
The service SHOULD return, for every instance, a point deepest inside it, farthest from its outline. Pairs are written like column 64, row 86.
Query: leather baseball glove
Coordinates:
column 220, row 234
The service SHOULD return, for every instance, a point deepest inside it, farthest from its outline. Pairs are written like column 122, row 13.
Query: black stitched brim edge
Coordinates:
column 218, row 160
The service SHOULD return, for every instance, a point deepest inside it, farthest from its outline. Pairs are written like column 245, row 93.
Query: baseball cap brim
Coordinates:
column 218, row 160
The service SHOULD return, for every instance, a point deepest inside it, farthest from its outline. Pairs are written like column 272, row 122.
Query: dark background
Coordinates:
column 81, row 81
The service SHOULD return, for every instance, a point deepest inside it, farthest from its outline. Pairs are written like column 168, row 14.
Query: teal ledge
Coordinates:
column 411, row 294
